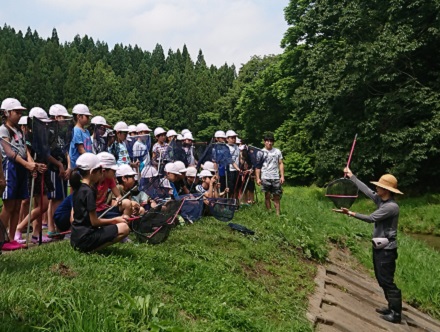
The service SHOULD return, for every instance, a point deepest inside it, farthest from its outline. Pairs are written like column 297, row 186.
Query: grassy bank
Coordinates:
column 204, row 278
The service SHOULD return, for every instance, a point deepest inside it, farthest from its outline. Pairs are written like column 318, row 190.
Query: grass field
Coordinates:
column 206, row 277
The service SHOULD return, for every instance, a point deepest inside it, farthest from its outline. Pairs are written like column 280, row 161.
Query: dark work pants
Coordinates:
column 384, row 267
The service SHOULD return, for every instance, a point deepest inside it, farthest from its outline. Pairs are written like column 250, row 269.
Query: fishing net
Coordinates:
column 256, row 156
column 175, row 152
column 155, row 187
column 60, row 135
column 221, row 154
column 222, row 209
column 154, row 226
column 342, row 192
column 38, row 136
column 192, row 207
column 138, row 148
column 100, row 142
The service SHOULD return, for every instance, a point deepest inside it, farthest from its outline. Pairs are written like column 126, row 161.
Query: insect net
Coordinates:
column 342, row 192
column 222, row 209
column 192, row 207
column 155, row 225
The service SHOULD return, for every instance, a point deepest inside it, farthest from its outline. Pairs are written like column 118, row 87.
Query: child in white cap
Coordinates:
column 90, row 233
column 81, row 141
column 17, row 162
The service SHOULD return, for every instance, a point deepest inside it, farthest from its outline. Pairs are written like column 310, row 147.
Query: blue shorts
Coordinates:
column 16, row 177
column 60, row 187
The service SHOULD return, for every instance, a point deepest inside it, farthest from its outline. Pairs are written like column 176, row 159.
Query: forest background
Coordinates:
column 350, row 67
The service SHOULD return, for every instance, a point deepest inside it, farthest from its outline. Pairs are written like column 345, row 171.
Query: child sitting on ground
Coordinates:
column 90, row 233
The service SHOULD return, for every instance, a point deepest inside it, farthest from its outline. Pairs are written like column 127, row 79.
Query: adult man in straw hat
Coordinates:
column 385, row 219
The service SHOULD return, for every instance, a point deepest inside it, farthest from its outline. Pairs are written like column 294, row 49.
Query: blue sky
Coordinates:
column 228, row 31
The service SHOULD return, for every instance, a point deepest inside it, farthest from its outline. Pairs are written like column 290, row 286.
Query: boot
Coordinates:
column 395, row 304
column 384, row 310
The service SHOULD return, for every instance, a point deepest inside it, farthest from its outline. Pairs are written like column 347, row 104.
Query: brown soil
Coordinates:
column 346, row 298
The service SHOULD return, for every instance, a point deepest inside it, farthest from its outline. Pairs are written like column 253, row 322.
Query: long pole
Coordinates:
column 351, row 153
column 30, row 207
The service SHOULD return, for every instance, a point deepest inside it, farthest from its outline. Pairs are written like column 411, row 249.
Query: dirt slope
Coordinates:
column 346, row 298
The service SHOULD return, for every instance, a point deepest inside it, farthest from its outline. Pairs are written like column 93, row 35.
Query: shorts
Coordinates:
column 232, row 181
column 59, row 185
column 16, row 177
column 95, row 238
column 272, row 186
column 112, row 213
column 47, row 184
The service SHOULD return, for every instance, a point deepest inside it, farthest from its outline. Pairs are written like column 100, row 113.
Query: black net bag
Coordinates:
column 222, row 209
column 192, row 207
column 155, row 226
column 3, row 235
column 342, row 192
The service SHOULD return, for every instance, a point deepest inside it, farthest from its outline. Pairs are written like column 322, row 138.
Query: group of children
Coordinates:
column 111, row 174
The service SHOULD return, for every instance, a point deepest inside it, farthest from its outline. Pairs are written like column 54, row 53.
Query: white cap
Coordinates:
column 220, row 134
column 179, row 137
column 107, row 160
column 238, row 141
column 132, row 129
column 204, row 173
column 172, row 168
column 171, row 132
column 58, row 110
column 88, row 161
column 99, row 120
column 191, row 171
column 125, row 170
column 39, row 113
column 184, row 131
column 23, row 120
column 165, row 183
column 81, row 109
column 209, row 165
column 231, row 133
column 188, row 136
column 150, row 172
column 180, row 166
column 158, row 131
column 10, row 104
column 120, row 126
column 142, row 127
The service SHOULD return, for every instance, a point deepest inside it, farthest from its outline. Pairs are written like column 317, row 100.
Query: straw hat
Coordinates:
column 388, row 182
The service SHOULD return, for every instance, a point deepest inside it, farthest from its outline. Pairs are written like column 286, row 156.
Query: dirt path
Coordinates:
column 346, row 298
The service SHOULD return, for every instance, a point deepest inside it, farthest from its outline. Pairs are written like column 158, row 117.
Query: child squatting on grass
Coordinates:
column 385, row 219
column 90, row 233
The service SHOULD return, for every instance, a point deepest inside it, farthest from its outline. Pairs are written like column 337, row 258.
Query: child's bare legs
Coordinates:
column 24, row 209
column 53, row 205
column 125, row 207
column 34, row 216
column 276, row 202
column 267, row 200
column 10, row 214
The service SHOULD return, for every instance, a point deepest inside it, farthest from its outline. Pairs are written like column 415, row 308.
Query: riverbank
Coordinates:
column 205, row 277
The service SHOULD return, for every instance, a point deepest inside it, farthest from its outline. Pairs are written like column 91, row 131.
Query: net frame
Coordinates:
column 155, row 225
column 219, row 206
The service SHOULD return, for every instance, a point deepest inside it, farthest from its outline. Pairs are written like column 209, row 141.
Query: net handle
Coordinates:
column 351, row 153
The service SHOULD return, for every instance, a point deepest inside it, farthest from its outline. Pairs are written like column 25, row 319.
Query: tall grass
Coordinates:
column 206, row 277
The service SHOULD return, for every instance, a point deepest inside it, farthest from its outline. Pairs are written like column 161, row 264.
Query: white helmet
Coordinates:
column 184, row 131
column 158, row 131
column 132, row 129
column 81, row 109
column 120, row 126
column 23, row 120
column 220, row 134
column 39, row 113
column 142, row 127
column 99, row 120
column 58, row 110
column 171, row 132
column 231, row 133
column 188, row 136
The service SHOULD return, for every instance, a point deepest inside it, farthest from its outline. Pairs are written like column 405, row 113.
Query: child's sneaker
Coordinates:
column 12, row 245
column 44, row 239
